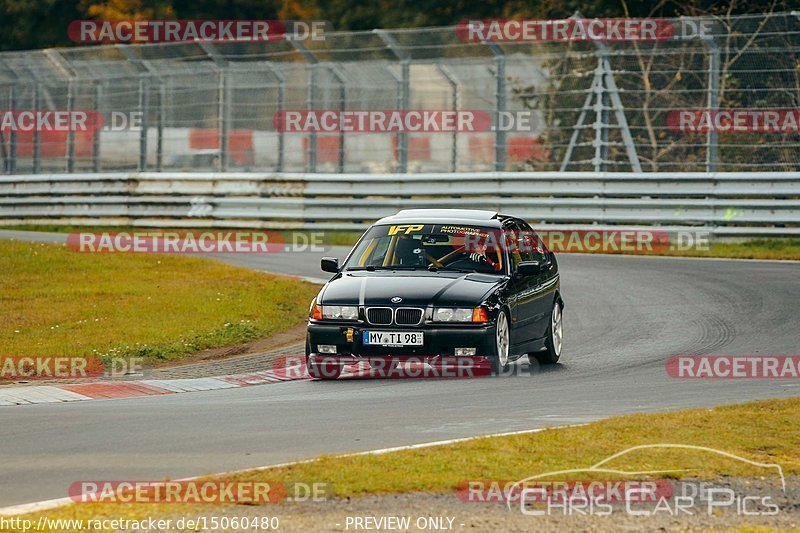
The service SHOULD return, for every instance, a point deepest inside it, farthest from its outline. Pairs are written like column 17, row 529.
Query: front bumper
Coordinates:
column 440, row 340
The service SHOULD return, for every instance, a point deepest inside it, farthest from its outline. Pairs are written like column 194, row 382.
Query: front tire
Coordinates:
column 555, row 338
column 502, row 343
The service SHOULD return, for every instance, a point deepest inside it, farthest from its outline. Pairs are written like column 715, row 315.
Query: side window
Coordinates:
column 533, row 243
column 524, row 244
column 516, row 250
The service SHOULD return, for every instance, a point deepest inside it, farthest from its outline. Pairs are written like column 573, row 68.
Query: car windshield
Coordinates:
column 429, row 246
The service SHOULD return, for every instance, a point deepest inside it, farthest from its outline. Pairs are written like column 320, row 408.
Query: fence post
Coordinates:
column 224, row 118
column 223, row 102
column 98, row 94
column 500, row 105
column 37, row 134
column 144, row 104
column 311, row 102
column 71, row 132
column 405, row 89
column 403, row 97
column 451, row 79
column 70, row 76
column 712, row 137
column 342, row 106
column 3, row 150
column 281, row 106
column 601, row 114
column 12, row 136
column 162, row 94
column 146, row 72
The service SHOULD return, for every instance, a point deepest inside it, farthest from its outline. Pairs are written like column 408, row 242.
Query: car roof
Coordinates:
column 446, row 216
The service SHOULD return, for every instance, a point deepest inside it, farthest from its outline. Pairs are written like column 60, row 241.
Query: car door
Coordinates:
column 543, row 286
column 521, row 289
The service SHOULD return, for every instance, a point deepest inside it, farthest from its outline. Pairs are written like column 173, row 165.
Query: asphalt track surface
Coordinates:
column 624, row 317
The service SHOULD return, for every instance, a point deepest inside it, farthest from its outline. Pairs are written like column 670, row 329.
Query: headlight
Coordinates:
column 460, row 314
column 340, row 312
column 447, row 314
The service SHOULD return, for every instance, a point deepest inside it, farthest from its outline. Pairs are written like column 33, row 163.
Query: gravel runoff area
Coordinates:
column 434, row 512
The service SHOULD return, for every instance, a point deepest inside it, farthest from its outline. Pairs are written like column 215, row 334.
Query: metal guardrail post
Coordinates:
column 311, row 101
column 500, row 105
column 281, row 106
column 451, row 79
column 404, row 96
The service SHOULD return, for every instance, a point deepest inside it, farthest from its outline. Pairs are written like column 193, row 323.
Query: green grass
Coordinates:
column 54, row 301
column 765, row 431
column 751, row 249
column 58, row 228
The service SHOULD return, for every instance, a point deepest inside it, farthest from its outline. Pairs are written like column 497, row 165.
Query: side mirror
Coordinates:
column 329, row 264
column 530, row 268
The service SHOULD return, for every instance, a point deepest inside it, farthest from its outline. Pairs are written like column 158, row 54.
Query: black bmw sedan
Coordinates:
column 434, row 285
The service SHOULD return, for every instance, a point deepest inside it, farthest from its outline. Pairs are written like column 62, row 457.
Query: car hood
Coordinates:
column 417, row 289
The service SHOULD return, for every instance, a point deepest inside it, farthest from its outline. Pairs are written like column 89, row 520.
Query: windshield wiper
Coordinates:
column 372, row 268
column 453, row 269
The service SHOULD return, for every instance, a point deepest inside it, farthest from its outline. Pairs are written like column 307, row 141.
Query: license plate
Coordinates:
column 393, row 338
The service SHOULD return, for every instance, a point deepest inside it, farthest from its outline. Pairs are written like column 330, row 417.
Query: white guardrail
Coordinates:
column 726, row 204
